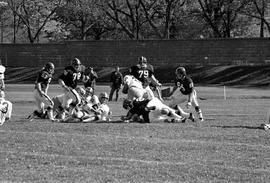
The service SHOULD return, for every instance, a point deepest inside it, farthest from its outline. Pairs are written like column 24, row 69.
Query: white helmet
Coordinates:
column 103, row 95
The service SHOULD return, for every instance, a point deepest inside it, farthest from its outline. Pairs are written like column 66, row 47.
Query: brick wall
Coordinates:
column 125, row 53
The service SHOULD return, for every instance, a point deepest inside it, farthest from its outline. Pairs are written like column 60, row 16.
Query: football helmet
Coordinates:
column 89, row 91
column 103, row 95
column 81, row 91
column 180, row 72
column 127, row 104
column 142, row 61
column 49, row 67
column 76, row 63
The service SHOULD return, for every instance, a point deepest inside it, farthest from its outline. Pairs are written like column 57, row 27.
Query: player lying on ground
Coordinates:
column 151, row 110
column 187, row 92
column 5, row 108
column 91, row 113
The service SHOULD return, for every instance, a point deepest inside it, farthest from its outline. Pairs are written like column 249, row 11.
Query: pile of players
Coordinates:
column 75, row 104
column 141, row 103
column 78, row 104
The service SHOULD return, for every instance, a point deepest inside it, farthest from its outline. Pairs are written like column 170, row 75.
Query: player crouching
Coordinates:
column 5, row 108
column 43, row 101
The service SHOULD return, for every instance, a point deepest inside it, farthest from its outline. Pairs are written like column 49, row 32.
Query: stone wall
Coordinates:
column 125, row 53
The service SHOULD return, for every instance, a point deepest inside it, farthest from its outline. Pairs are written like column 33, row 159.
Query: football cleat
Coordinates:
column 265, row 126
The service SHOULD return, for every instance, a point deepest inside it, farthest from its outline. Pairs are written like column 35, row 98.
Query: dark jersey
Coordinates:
column 71, row 76
column 92, row 78
column 185, row 85
column 140, row 108
column 116, row 79
column 44, row 78
column 142, row 74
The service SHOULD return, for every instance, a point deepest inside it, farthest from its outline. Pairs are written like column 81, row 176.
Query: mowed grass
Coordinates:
column 227, row 147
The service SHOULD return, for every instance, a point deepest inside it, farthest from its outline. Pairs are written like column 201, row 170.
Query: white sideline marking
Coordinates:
column 131, row 160
column 142, row 138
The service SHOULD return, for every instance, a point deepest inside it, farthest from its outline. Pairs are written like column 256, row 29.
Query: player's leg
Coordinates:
column 150, row 93
column 49, row 107
column 176, row 99
column 117, row 94
column 70, row 100
column 159, row 93
column 111, row 93
column 135, row 93
column 181, row 112
column 40, row 105
column 195, row 104
column 9, row 110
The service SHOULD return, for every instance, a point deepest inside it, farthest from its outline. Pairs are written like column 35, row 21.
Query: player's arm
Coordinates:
column 155, row 81
column 95, row 75
column 191, row 85
column 62, row 84
column 173, row 90
column 43, row 93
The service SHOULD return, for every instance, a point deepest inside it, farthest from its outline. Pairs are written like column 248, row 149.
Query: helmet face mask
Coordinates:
column 103, row 96
column 50, row 67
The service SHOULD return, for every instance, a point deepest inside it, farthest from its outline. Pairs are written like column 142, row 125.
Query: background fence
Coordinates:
column 125, row 53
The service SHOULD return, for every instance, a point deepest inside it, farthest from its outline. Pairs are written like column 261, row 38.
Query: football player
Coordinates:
column 155, row 108
column 68, row 81
column 5, row 108
column 90, row 97
column 133, row 88
column 2, row 76
column 92, row 113
column 144, row 72
column 40, row 93
column 187, row 90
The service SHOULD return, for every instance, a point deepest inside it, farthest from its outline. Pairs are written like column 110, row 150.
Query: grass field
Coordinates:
column 227, row 147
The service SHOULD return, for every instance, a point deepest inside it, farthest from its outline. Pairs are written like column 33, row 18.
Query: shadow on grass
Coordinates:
column 239, row 126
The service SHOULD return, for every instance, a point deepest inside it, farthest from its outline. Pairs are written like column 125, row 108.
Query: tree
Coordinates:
column 83, row 18
column 34, row 15
column 257, row 10
column 221, row 15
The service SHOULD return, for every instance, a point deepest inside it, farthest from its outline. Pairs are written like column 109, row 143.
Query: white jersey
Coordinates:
column 131, row 81
column 105, row 111
column 5, row 110
column 92, row 99
column 2, row 71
